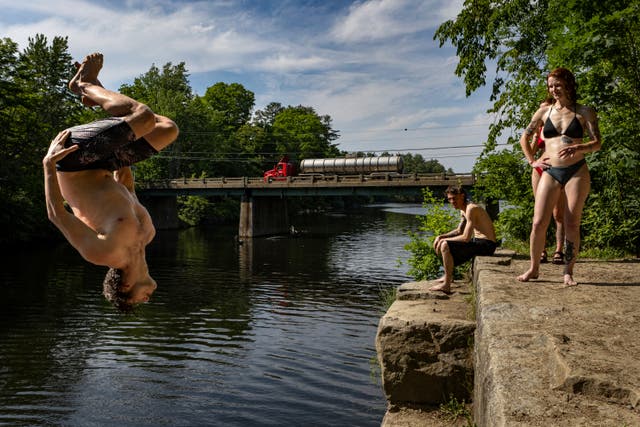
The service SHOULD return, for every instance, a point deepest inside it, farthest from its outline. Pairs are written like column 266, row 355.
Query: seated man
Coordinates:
column 88, row 166
column 474, row 235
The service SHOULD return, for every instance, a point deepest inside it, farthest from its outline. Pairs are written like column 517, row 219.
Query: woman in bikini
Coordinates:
column 563, row 123
column 538, row 145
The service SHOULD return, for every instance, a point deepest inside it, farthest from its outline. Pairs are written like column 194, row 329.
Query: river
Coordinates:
column 274, row 332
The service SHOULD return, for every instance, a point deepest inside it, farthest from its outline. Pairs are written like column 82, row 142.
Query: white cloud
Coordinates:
column 375, row 20
column 372, row 66
column 283, row 63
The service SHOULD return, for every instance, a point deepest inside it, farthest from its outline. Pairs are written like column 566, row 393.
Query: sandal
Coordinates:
column 543, row 258
column 558, row 258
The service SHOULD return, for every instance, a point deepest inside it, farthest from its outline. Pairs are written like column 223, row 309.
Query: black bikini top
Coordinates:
column 574, row 130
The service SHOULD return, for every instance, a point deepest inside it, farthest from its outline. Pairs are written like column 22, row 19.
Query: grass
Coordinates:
column 375, row 372
column 453, row 410
column 387, row 297
column 522, row 248
column 604, row 254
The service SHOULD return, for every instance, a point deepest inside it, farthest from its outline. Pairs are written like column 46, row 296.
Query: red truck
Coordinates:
column 335, row 166
column 281, row 171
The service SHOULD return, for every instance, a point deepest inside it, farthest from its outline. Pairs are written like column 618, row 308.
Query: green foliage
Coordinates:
column 300, row 130
column 232, row 103
column 424, row 263
column 192, row 209
column 388, row 296
column 417, row 164
column 600, row 43
column 166, row 92
column 453, row 410
column 504, row 176
column 35, row 105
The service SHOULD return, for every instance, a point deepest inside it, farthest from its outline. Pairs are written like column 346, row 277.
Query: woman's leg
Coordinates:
column 546, row 198
column 558, row 216
column 576, row 192
column 535, row 179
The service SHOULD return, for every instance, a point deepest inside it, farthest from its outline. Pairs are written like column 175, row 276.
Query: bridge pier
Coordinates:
column 262, row 216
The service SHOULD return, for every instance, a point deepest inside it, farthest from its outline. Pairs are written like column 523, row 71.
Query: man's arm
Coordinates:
column 458, row 230
column 455, row 232
column 466, row 234
column 81, row 237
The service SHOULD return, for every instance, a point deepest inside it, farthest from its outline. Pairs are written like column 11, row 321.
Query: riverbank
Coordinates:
column 543, row 354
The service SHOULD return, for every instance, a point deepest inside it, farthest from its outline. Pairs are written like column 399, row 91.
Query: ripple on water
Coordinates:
column 278, row 334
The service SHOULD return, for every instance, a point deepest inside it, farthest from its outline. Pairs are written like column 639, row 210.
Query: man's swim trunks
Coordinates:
column 464, row 251
column 104, row 144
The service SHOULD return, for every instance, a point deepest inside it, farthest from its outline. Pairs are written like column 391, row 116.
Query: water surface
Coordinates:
column 277, row 331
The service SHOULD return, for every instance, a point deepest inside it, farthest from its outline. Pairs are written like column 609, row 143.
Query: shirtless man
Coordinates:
column 474, row 235
column 88, row 166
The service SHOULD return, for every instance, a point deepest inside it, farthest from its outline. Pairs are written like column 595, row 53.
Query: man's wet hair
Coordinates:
column 111, row 291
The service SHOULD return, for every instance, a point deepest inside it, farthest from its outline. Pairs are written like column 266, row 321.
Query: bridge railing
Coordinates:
column 378, row 179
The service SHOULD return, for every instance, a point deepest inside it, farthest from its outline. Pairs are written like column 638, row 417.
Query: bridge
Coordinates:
column 305, row 185
column 262, row 211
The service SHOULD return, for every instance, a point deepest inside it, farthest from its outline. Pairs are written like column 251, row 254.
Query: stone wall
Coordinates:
column 540, row 354
column 425, row 350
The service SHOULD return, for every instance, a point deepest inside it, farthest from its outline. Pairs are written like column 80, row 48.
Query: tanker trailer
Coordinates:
column 351, row 166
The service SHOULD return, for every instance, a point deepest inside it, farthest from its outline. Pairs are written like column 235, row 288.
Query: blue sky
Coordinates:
column 372, row 66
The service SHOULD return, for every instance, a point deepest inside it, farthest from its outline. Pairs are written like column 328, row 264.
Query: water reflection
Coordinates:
column 268, row 332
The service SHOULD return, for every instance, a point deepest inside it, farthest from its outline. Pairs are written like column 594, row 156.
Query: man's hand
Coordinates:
column 437, row 243
column 57, row 150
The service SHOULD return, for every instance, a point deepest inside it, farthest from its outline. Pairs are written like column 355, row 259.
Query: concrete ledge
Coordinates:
column 546, row 355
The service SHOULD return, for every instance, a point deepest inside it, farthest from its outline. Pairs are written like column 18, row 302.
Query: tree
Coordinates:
column 265, row 118
column 599, row 42
column 229, row 108
column 35, row 105
column 417, row 164
column 302, row 132
column 166, row 92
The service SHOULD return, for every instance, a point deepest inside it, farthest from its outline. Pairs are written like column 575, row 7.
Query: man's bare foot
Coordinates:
column 442, row 287
column 568, row 281
column 440, row 280
column 87, row 72
column 85, row 100
column 527, row 275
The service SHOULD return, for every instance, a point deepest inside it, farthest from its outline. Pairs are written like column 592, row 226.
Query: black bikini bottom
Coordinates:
column 565, row 173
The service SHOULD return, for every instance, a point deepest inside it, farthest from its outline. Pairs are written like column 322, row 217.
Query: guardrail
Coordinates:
column 307, row 181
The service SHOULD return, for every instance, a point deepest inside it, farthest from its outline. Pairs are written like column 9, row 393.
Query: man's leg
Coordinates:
column 164, row 132
column 447, row 262
column 143, row 122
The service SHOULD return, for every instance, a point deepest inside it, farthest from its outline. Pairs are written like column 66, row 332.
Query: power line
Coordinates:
column 382, row 150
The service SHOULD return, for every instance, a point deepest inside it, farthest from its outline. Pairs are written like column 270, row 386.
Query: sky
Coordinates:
column 371, row 65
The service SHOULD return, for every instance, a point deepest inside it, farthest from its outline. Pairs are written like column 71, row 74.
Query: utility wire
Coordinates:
column 382, row 150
